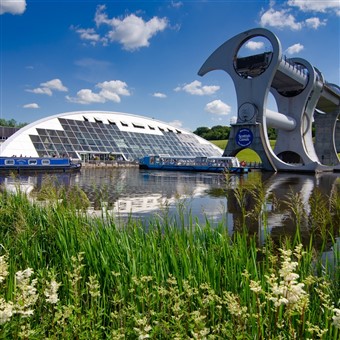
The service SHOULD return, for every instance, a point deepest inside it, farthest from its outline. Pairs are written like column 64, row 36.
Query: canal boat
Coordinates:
column 37, row 164
column 196, row 164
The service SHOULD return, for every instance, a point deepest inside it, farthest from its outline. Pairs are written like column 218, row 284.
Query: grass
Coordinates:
column 66, row 275
column 247, row 155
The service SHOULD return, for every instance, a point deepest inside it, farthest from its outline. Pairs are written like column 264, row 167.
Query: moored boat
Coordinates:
column 196, row 164
column 35, row 164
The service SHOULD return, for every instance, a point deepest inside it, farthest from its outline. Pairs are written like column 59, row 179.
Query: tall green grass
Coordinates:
column 90, row 278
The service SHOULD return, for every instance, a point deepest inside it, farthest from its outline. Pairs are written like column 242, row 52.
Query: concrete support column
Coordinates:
column 325, row 146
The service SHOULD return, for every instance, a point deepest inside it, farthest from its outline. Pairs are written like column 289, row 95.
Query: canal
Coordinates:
column 189, row 198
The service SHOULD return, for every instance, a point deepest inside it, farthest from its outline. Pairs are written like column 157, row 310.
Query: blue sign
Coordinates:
column 244, row 137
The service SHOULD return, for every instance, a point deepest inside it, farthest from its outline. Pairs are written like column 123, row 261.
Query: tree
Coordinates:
column 217, row 132
column 201, row 131
column 11, row 123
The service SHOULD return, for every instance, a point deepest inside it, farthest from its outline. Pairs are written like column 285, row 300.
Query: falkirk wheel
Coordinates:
column 302, row 96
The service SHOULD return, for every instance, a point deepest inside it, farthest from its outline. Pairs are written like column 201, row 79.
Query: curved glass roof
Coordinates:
column 104, row 133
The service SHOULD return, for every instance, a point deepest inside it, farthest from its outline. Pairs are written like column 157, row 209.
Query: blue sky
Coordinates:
column 142, row 57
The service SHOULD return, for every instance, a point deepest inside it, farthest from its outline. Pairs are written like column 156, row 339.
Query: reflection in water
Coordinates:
column 199, row 196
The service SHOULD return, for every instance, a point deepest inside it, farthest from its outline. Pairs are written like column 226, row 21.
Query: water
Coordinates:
column 198, row 196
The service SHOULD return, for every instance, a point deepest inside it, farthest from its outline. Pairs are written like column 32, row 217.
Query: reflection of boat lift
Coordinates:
column 279, row 187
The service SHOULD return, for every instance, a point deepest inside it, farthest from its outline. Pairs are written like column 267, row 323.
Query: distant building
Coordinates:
column 6, row 132
column 104, row 135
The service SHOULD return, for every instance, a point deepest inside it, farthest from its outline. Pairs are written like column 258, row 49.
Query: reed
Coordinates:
column 65, row 274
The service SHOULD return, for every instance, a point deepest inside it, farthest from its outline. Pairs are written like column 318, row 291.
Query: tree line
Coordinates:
column 220, row 132
column 11, row 123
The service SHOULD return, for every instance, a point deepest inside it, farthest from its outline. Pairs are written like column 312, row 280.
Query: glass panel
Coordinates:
column 64, row 140
column 55, row 139
column 35, row 138
column 39, row 146
column 98, row 142
column 61, row 133
column 59, row 147
column 68, row 147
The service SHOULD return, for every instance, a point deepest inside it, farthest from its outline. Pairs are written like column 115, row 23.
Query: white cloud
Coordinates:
column 316, row 5
column 47, row 87
column 132, row 31
column 86, row 96
column 254, row 45
column 218, row 107
column 89, row 35
column 315, row 23
column 41, row 90
column 159, row 95
column 55, row 84
column 279, row 19
column 109, row 91
column 176, row 123
column 196, row 88
column 31, row 106
column 176, row 4
column 284, row 18
column 12, row 7
column 296, row 48
column 233, row 120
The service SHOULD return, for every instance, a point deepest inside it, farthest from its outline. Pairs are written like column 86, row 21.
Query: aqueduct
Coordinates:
column 302, row 96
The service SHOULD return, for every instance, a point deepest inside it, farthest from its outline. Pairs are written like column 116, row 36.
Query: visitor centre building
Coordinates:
column 85, row 135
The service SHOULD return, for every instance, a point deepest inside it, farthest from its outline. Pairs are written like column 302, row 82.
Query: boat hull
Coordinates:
column 33, row 165
column 194, row 168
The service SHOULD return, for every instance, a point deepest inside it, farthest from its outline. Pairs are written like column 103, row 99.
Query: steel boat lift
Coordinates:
column 302, row 96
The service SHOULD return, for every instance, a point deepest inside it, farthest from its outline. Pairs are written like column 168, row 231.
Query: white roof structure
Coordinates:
column 74, row 134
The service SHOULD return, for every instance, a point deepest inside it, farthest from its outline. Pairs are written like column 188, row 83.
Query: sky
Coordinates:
column 142, row 57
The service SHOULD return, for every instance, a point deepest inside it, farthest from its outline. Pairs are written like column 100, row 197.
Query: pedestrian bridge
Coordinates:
column 303, row 97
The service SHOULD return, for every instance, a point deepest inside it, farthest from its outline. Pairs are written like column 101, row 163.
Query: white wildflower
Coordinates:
column 233, row 305
column 288, row 291
column 21, row 276
column 6, row 311
column 336, row 317
column 282, row 301
column 255, row 286
column 143, row 328
column 51, row 292
column 3, row 268
column 25, row 292
column 94, row 286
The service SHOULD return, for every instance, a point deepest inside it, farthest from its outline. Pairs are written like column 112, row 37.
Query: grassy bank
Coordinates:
column 247, row 155
column 65, row 275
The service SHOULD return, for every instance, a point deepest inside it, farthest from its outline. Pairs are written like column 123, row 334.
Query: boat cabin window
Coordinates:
column 45, row 162
column 32, row 162
column 9, row 162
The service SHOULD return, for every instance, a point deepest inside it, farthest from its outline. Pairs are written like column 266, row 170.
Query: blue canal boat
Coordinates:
column 37, row 164
column 196, row 164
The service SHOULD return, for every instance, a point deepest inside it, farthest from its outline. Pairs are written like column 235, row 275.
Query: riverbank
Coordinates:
column 64, row 274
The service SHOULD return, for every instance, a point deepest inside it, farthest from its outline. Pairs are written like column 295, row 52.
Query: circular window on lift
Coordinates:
column 253, row 57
